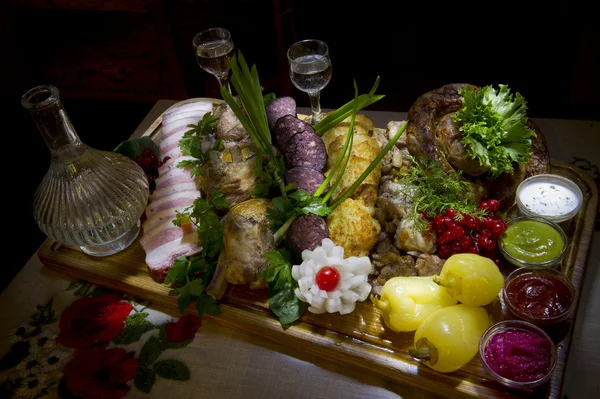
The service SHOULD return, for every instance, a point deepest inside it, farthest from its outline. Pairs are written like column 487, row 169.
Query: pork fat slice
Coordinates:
column 175, row 191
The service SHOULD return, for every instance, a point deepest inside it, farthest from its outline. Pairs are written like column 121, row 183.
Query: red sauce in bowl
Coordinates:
column 517, row 355
column 539, row 295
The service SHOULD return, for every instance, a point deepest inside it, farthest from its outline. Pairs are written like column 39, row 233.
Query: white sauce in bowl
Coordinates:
column 548, row 198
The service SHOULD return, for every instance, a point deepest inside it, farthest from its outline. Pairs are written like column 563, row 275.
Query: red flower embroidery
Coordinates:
column 92, row 320
column 183, row 329
column 100, row 374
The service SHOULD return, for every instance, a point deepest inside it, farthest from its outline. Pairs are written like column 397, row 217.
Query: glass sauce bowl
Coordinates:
column 549, row 196
column 531, row 241
column 539, row 295
column 536, row 354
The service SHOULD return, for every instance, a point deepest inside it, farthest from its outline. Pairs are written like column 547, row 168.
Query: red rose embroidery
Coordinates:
column 183, row 329
column 92, row 320
column 100, row 374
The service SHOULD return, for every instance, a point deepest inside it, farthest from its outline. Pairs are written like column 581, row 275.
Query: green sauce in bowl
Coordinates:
column 532, row 241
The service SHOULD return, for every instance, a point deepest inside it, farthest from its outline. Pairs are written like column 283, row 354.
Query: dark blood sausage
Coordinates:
column 306, row 232
column 288, row 126
column 280, row 107
column 307, row 179
column 305, row 149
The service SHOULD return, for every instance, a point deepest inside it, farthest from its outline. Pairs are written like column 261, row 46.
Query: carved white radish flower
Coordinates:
column 328, row 282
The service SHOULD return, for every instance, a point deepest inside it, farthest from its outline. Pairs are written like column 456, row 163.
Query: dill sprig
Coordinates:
column 435, row 191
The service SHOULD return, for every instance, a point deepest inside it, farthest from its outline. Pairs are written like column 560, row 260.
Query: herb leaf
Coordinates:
column 133, row 148
column 299, row 202
column 494, row 127
column 191, row 143
column 433, row 190
column 188, row 277
column 253, row 116
column 282, row 300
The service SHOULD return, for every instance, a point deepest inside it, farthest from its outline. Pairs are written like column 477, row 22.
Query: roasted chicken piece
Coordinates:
column 409, row 238
column 232, row 173
column 247, row 237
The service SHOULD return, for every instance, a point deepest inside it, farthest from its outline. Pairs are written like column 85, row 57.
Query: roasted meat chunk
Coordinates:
column 433, row 134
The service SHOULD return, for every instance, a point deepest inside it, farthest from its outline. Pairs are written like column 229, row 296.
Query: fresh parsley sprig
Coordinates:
column 191, row 143
column 190, row 276
column 284, row 210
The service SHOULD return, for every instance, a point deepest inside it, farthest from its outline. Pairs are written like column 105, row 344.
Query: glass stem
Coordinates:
column 224, row 81
column 315, row 105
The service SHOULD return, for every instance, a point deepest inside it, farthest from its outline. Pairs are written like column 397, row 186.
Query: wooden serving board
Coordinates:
column 359, row 339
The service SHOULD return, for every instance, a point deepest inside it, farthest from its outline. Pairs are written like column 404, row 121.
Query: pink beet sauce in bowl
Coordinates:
column 518, row 354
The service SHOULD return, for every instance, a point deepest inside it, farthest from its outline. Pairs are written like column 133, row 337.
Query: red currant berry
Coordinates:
column 466, row 243
column 459, row 232
column 494, row 205
column 484, row 205
column 499, row 228
column 446, row 237
column 438, row 224
column 444, row 251
column 451, row 213
column 473, row 250
column 456, row 247
column 489, row 223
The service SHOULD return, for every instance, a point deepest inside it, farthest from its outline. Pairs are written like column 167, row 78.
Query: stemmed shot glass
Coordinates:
column 310, row 71
column 214, row 49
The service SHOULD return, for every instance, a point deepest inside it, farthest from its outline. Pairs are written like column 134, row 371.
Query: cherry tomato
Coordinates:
column 327, row 278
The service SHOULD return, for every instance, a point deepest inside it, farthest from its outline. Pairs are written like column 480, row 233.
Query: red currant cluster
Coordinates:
column 464, row 233
column 150, row 163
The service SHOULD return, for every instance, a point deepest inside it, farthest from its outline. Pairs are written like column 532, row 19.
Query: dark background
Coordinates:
column 113, row 59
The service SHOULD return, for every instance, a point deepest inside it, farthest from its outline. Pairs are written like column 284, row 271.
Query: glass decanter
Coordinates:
column 88, row 198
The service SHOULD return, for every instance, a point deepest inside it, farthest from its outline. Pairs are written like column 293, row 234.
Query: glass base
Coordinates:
column 114, row 246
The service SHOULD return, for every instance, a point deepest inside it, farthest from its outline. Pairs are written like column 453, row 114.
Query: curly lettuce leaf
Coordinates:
column 494, row 127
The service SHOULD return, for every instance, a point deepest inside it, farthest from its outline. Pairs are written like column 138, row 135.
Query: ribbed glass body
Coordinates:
column 89, row 198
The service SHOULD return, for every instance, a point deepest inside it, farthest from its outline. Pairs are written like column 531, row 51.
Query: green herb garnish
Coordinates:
column 190, row 276
column 133, row 148
column 340, row 114
column 253, row 115
column 191, row 143
column 285, row 209
column 282, row 300
column 433, row 190
column 494, row 127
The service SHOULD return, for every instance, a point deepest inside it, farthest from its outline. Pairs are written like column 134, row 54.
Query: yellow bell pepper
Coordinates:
column 449, row 338
column 406, row 301
column 472, row 279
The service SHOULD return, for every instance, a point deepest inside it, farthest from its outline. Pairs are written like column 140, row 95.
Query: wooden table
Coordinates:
column 232, row 364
